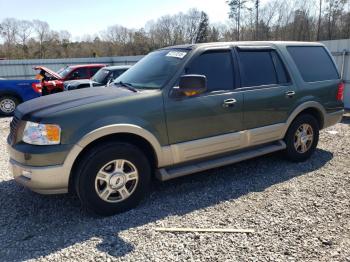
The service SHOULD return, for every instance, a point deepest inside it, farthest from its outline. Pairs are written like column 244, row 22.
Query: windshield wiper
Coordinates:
column 127, row 86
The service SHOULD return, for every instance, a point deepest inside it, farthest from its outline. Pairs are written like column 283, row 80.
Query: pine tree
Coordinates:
column 203, row 29
column 236, row 7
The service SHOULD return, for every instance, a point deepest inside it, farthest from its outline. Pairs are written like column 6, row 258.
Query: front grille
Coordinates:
column 13, row 129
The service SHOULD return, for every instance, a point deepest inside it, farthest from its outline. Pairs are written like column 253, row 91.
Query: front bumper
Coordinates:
column 43, row 180
column 46, row 179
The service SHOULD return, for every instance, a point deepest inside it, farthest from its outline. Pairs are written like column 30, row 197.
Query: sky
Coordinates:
column 81, row 17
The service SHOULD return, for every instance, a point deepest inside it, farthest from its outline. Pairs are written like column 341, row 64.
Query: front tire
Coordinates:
column 302, row 138
column 112, row 178
column 8, row 105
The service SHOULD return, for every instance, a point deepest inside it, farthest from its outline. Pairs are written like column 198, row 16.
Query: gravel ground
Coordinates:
column 300, row 212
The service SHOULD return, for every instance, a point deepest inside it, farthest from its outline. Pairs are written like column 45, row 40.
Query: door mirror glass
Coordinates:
column 191, row 85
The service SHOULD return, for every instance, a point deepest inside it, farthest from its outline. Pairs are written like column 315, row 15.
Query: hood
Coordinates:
column 36, row 109
column 49, row 71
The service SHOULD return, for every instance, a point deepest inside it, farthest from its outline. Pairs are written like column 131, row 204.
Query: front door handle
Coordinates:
column 229, row 102
column 290, row 94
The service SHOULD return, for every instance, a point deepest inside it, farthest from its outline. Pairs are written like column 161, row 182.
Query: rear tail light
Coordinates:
column 340, row 92
column 37, row 87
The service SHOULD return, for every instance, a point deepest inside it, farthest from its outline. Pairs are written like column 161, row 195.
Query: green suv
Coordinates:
column 178, row 111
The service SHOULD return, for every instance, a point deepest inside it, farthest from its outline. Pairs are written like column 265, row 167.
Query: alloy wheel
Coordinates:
column 116, row 181
column 7, row 105
column 303, row 138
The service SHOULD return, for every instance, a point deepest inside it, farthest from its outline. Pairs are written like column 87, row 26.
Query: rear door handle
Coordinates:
column 229, row 102
column 290, row 94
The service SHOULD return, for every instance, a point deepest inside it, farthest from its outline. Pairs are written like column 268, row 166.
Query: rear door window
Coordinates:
column 80, row 73
column 314, row 63
column 117, row 73
column 217, row 67
column 93, row 70
column 261, row 67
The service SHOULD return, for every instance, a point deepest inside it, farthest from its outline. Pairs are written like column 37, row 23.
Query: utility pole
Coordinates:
column 319, row 21
column 257, row 4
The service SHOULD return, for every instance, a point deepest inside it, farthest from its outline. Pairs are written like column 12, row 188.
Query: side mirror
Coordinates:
column 191, row 85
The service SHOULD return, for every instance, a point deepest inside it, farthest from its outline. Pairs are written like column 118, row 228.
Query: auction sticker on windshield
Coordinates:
column 176, row 54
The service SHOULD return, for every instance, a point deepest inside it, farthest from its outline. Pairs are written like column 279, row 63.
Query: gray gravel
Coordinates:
column 301, row 212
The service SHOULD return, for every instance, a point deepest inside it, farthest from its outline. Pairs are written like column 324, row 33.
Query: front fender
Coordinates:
column 126, row 125
column 162, row 153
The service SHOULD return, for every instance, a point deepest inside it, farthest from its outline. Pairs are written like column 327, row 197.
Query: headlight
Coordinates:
column 41, row 134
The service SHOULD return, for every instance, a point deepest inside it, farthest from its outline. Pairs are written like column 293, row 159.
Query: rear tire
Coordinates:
column 44, row 91
column 112, row 178
column 302, row 138
column 8, row 105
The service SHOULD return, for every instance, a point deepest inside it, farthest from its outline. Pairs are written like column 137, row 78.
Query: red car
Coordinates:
column 52, row 82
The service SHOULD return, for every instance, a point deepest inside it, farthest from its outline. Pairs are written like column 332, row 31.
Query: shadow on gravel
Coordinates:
column 32, row 226
column 346, row 119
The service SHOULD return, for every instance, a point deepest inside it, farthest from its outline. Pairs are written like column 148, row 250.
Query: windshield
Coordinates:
column 101, row 76
column 63, row 72
column 154, row 70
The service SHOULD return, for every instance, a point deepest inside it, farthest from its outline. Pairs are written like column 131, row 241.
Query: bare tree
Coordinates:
column 64, row 39
column 236, row 8
column 8, row 31
column 192, row 21
column 24, row 32
column 250, row 19
column 333, row 13
column 42, row 30
column 117, row 34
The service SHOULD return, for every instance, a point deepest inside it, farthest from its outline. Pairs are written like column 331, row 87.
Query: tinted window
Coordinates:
column 117, row 73
column 63, row 72
column 282, row 75
column 93, row 70
column 217, row 67
column 314, row 63
column 80, row 73
column 257, row 68
column 101, row 76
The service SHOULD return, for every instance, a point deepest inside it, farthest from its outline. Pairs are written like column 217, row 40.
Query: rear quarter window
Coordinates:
column 314, row 63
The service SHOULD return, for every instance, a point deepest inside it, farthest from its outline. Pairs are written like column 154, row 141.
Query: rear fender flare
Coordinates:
column 301, row 108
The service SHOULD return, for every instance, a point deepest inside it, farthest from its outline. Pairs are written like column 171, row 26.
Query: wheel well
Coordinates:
column 136, row 140
column 315, row 113
column 13, row 95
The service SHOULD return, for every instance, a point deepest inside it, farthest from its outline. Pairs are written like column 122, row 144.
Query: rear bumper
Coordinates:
column 43, row 180
column 333, row 118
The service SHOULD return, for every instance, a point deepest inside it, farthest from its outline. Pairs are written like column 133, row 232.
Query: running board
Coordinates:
column 165, row 174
